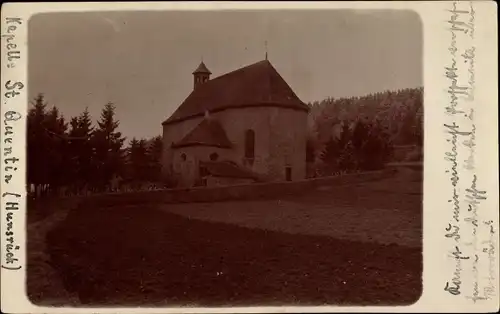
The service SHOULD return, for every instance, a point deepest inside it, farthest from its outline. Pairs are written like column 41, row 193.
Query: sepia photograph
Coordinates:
column 224, row 158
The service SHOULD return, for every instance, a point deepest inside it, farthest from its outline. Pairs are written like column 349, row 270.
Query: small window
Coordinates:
column 288, row 173
column 250, row 144
column 214, row 156
column 183, row 157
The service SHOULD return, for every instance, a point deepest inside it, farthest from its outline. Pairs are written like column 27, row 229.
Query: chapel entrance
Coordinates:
column 288, row 173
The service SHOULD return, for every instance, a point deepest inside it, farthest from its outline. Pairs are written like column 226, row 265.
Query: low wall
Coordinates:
column 416, row 166
column 227, row 193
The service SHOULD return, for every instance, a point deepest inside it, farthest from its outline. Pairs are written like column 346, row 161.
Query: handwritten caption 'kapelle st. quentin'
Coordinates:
column 11, row 122
column 472, row 236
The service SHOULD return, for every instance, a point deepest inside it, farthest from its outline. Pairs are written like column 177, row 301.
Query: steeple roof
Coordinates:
column 258, row 84
column 202, row 69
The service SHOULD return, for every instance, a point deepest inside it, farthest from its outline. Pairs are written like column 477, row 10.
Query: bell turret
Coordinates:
column 201, row 74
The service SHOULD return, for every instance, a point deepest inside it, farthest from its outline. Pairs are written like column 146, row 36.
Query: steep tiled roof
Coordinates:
column 208, row 133
column 258, row 84
column 227, row 169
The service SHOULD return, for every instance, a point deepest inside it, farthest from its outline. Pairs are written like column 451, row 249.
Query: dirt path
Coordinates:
column 43, row 283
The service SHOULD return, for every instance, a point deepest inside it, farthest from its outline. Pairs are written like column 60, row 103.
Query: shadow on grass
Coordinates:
column 142, row 256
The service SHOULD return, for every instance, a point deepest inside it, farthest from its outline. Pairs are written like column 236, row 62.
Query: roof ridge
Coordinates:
column 240, row 69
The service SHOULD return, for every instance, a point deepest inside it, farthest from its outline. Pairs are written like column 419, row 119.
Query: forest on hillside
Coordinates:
column 344, row 135
column 362, row 133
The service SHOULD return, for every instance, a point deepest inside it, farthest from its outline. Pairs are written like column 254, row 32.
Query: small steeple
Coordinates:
column 201, row 74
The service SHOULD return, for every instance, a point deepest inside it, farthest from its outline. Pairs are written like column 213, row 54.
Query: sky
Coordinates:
column 143, row 61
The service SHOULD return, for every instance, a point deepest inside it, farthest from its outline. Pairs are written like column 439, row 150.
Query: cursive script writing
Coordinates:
column 471, row 253
column 11, row 207
column 11, row 46
column 9, row 160
column 11, row 121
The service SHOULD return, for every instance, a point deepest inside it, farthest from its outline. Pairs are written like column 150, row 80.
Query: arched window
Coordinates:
column 250, row 144
column 183, row 157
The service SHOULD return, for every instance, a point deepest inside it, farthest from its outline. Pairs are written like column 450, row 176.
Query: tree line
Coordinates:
column 78, row 156
column 361, row 133
column 344, row 135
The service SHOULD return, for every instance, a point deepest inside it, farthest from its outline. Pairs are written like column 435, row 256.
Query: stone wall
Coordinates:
column 402, row 152
column 221, row 181
column 228, row 193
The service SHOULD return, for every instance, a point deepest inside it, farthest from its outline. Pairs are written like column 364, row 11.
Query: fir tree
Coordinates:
column 330, row 155
column 155, row 153
column 81, row 150
column 56, row 128
column 37, row 145
column 108, row 153
column 138, row 162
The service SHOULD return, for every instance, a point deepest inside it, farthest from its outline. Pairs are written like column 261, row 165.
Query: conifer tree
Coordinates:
column 37, row 145
column 56, row 128
column 80, row 150
column 155, row 152
column 330, row 155
column 132, row 160
column 138, row 162
column 108, row 153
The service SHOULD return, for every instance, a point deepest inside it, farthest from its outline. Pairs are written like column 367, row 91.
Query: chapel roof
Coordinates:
column 227, row 169
column 257, row 84
column 209, row 132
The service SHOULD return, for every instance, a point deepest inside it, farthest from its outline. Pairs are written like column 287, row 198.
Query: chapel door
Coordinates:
column 288, row 173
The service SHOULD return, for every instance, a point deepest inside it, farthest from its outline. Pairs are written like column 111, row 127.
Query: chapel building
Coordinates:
column 241, row 127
